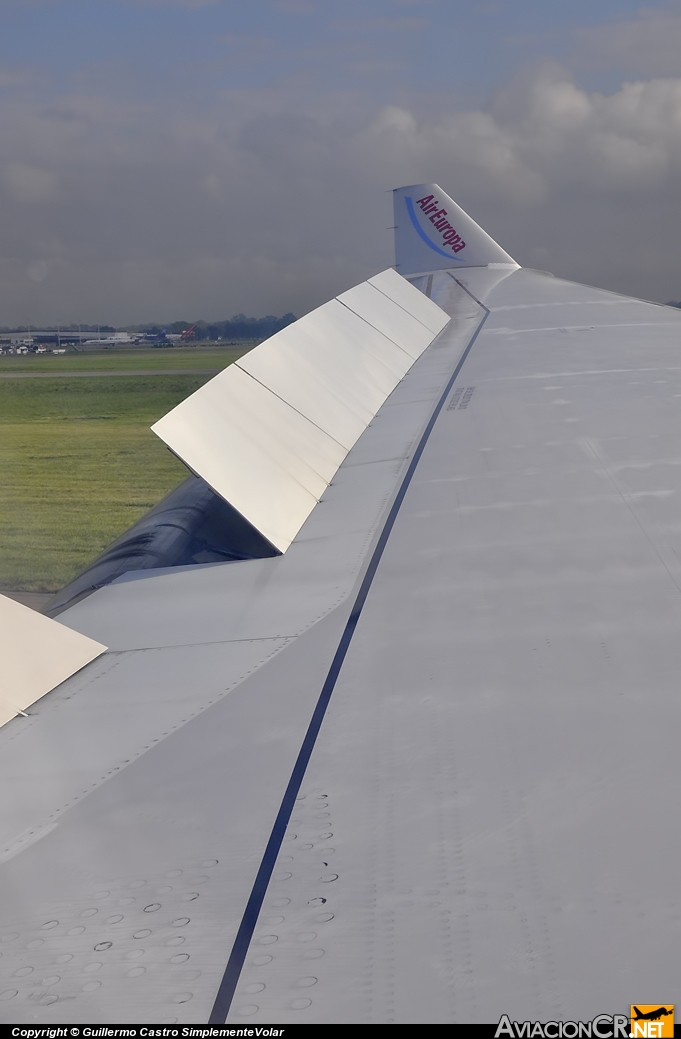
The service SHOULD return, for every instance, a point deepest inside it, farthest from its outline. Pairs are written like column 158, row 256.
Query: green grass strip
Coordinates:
column 78, row 466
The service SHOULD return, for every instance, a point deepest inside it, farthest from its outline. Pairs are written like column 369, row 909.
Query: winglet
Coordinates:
column 433, row 233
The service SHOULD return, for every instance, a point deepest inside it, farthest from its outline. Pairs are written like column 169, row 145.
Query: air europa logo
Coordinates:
column 450, row 237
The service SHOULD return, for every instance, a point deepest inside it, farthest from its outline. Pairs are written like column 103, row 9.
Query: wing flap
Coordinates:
column 36, row 655
column 269, row 433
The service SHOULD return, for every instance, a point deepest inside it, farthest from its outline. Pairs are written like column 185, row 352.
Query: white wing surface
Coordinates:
column 270, row 431
column 420, row 767
column 36, row 654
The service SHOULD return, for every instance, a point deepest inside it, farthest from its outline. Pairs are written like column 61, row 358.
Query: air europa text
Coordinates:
column 430, row 206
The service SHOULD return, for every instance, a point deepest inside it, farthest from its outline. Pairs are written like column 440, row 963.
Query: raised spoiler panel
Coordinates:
column 269, row 433
column 36, row 654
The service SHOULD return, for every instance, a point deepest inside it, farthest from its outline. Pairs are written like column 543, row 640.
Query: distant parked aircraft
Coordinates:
column 117, row 339
column 176, row 337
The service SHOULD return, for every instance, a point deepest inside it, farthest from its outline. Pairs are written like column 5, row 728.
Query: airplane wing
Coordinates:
column 410, row 756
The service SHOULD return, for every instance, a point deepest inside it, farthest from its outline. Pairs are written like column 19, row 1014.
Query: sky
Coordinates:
column 166, row 160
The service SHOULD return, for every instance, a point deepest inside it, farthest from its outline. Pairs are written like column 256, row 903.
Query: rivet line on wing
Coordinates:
column 249, row 920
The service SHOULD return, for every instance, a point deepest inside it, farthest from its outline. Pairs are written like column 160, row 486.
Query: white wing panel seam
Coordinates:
column 289, row 405
column 270, row 432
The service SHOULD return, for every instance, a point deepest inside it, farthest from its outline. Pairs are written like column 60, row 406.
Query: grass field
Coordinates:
column 126, row 360
column 78, row 462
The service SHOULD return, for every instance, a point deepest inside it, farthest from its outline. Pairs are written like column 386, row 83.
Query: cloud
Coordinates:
column 571, row 138
column 28, row 183
column 174, row 3
column 277, row 198
column 301, row 7
column 393, row 23
column 37, row 271
column 647, row 45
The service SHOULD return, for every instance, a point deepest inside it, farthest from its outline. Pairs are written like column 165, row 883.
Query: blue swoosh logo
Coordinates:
column 422, row 234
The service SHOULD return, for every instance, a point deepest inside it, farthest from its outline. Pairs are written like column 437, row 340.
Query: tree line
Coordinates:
column 237, row 327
